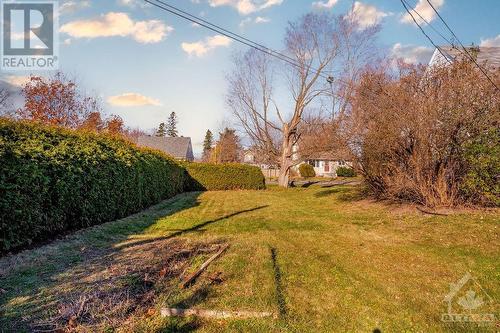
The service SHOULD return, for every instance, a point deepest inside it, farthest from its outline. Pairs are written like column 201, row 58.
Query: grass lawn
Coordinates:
column 321, row 259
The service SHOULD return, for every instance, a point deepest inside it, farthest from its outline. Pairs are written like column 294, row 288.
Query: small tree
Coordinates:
column 306, row 170
column 172, row 125
column 229, row 146
column 115, row 125
column 207, row 145
column 346, row 172
column 56, row 101
column 162, row 131
column 93, row 122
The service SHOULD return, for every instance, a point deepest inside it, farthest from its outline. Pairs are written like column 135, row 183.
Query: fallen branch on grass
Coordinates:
column 214, row 314
column 429, row 212
column 193, row 276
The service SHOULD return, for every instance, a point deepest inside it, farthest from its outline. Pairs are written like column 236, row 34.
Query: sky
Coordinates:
column 145, row 63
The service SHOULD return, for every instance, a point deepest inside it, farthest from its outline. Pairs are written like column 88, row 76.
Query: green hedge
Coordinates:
column 346, row 172
column 53, row 180
column 306, row 170
column 482, row 162
column 219, row 177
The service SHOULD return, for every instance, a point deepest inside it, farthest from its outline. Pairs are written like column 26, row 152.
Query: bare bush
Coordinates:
column 411, row 130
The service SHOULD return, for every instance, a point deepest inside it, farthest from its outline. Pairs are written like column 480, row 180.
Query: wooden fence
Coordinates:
column 270, row 173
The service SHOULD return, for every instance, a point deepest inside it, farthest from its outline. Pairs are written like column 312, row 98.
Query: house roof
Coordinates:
column 179, row 148
column 489, row 55
column 326, row 156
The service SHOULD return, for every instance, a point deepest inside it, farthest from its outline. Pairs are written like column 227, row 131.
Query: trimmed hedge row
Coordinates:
column 221, row 177
column 54, row 180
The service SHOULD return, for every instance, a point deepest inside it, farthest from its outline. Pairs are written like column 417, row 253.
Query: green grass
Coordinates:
column 322, row 259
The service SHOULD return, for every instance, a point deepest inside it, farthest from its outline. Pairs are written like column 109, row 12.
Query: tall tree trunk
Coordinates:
column 286, row 157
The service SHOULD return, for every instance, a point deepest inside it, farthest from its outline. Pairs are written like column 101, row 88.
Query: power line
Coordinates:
column 405, row 5
column 428, row 23
column 227, row 31
column 463, row 47
column 213, row 27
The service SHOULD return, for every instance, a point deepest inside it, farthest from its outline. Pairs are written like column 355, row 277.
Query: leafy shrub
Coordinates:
column 53, row 180
column 482, row 181
column 306, row 170
column 217, row 177
column 346, row 172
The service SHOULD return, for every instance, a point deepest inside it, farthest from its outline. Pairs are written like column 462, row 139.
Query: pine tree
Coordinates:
column 161, row 130
column 172, row 125
column 207, row 145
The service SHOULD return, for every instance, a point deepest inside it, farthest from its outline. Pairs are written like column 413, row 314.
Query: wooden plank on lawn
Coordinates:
column 193, row 276
column 214, row 314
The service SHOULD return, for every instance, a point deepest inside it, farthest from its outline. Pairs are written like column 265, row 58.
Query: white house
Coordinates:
column 487, row 56
column 326, row 164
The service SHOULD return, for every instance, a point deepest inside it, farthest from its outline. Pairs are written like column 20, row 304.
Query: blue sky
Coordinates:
column 146, row 63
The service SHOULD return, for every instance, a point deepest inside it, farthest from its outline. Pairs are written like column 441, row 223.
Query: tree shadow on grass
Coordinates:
column 344, row 193
column 43, row 287
column 196, row 228
column 91, row 280
column 278, row 285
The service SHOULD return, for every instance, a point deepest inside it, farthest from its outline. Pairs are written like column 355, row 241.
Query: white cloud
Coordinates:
column 132, row 99
column 118, row 24
column 245, row 22
column 133, row 3
column 128, row 3
column 16, row 80
column 257, row 20
column 201, row 48
column 425, row 10
column 412, row 54
column 69, row 7
column 324, row 4
column 260, row 19
column 494, row 41
column 366, row 15
column 246, row 7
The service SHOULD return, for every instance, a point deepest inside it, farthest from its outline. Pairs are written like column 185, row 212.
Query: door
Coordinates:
column 327, row 166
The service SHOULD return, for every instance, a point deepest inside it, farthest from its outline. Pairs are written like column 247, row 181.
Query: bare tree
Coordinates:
column 316, row 44
column 249, row 97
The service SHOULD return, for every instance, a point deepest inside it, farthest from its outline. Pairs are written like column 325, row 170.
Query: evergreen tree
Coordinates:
column 207, row 145
column 172, row 125
column 161, row 130
column 228, row 147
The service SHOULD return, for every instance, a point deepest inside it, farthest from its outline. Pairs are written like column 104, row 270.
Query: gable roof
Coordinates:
column 489, row 55
column 327, row 156
column 179, row 148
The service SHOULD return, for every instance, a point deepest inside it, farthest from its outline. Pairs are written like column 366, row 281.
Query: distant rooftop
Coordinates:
column 179, row 148
column 489, row 55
